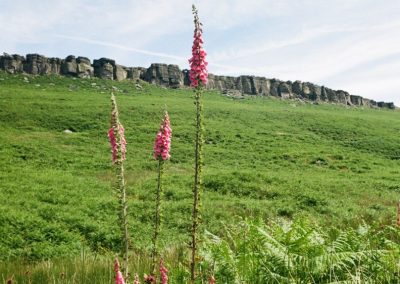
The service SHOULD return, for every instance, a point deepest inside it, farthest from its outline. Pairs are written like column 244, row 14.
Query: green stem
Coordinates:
column 197, row 184
column 120, row 186
column 123, row 214
column 157, row 219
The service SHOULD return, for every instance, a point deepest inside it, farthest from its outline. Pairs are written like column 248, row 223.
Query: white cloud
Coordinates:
column 310, row 40
column 122, row 47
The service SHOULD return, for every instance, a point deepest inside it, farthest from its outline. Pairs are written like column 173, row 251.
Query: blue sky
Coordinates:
column 353, row 45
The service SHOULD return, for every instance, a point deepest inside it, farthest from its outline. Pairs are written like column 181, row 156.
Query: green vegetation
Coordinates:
column 263, row 158
column 304, row 253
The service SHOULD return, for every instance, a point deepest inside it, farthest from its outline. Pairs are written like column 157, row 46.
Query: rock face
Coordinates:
column 37, row 65
column 136, row 73
column 171, row 76
column 84, row 68
column 104, row 68
column 69, row 66
column 12, row 63
column 164, row 75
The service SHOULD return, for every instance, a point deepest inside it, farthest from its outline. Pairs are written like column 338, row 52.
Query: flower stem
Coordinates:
column 157, row 219
column 118, row 144
column 123, row 215
column 197, row 183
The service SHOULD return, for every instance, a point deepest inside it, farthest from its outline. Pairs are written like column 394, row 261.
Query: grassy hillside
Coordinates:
column 263, row 158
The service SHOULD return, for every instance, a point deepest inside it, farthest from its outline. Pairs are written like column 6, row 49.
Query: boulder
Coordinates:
column 343, row 97
column 221, row 82
column 164, row 75
column 261, row 86
column 69, row 66
column 245, row 84
column 316, row 92
column 285, row 90
column 55, row 65
column 297, row 89
column 389, row 105
column 12, row 63
column 36, row 64
column 356, row 100
column 120, row 73
column 310, row 92
column 84, row 67
column 175, row 76
column 136, row 73
column 157, row 74
column 104, row 68
column 274, row 90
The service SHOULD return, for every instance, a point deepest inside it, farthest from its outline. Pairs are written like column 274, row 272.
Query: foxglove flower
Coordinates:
column 119, row 279
column 116, row 134
column 162, row 143
column 198, row 78
column 198, row 64
column 149, row 279
column 163, row 273
column 136, row 280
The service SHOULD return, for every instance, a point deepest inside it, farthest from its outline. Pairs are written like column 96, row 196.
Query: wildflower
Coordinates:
column 116, row 134
column 162, row 143
column 149, row 279
column 212, row 279
column 198, row 79
column 163, row 272
column 118, row 275
column 136, row 280
column 198, row 64
column 162, row 146
column 118, row 149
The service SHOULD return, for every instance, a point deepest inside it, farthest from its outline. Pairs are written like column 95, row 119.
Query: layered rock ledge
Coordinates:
column 173, row 77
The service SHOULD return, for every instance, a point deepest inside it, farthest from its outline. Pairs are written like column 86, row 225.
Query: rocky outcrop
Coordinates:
column 120, row 72
column 84, row 68
column 37, row 65
column 164, row 75
column 69, row 66
column 171, row 76
column 12, row 63
column 104, row 68
column 136, row 73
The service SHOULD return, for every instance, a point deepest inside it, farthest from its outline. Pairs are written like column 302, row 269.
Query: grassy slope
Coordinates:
column 263, row 157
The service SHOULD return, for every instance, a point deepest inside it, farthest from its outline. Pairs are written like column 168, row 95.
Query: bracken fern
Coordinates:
column 299, row 252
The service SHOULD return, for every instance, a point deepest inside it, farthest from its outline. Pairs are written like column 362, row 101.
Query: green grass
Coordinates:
column 264, row 158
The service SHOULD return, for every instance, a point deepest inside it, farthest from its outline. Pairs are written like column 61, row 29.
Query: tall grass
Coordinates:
column 88, row 268
column 248, row 252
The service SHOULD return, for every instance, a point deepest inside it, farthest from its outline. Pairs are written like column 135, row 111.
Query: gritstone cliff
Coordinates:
column 171, row 76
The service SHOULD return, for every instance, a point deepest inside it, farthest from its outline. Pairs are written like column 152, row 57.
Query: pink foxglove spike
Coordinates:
column 136, row 280
column 119, row 279
column 163, row 273
column 116, row 134
column 162, row 143
column 198, row 64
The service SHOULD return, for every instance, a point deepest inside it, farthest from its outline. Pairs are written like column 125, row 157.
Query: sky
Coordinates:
column 352, row 45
